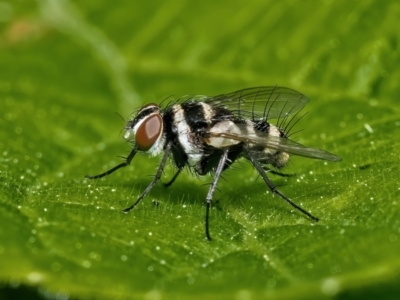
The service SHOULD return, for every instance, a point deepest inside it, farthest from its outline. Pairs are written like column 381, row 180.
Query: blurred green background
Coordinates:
column 66, row 67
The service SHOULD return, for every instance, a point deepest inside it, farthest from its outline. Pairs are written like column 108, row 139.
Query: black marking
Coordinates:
column 194, row 115
column 180, row 158
column 262, row 126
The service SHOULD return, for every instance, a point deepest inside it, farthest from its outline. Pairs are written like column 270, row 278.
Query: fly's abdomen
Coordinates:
column 267, row 155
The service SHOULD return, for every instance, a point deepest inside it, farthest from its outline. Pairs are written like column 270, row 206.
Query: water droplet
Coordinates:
column 35, row 277
column 330, row 287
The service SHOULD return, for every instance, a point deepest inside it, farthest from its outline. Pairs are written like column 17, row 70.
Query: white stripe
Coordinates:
column 274, row 131
column 208, row 112
column 194, row 154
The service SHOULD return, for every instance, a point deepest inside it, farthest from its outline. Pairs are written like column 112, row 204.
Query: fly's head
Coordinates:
column 147, row 127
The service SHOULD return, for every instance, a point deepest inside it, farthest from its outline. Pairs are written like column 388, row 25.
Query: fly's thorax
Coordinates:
column 191, row 124
column 148, row 129
column 185, row 135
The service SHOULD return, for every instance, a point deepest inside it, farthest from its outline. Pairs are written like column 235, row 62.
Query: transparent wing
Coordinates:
column 277, row 143
column 267, row 102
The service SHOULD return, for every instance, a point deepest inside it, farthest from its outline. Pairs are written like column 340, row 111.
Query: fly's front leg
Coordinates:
column 218, row 172
column 273, row 188
column 173, row 178
column 156, row 178
column 121, row 165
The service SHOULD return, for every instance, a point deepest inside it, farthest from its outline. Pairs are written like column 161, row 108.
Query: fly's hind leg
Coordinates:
column 277, row 173
column 273, row 188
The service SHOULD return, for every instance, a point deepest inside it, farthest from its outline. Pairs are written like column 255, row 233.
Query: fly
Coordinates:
column 208, row 134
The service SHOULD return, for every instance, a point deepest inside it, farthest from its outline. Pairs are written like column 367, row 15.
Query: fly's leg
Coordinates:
column 121, row 165
column 278, row 173
column 273, row 188
column 173, row 178
column 218, row 172
column 156, row 178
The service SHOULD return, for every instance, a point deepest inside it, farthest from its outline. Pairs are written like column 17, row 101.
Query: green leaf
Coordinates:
column 66, row 67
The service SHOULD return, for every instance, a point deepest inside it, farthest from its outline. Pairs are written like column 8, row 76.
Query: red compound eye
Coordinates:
column 148, row 132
